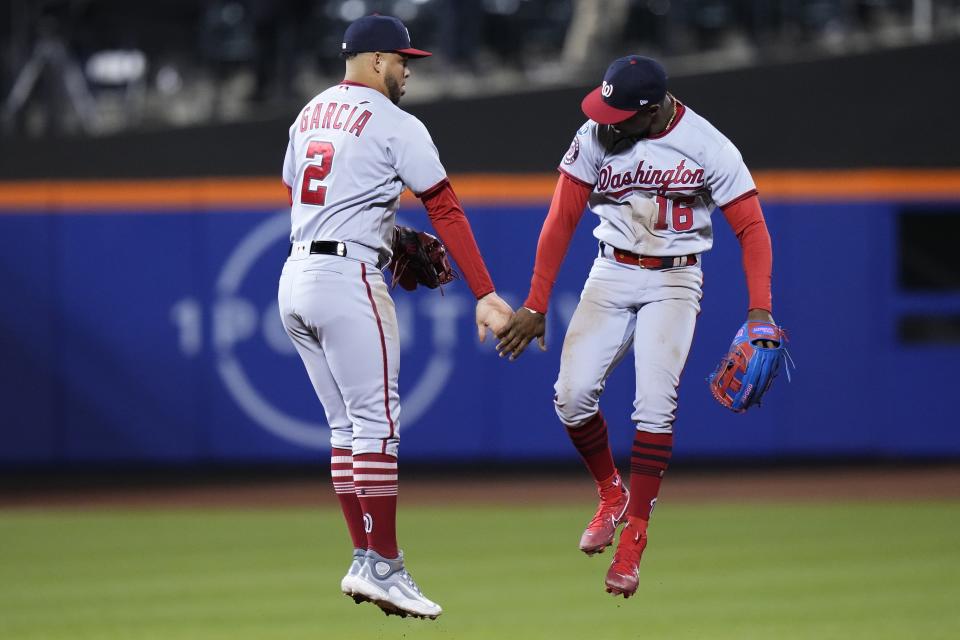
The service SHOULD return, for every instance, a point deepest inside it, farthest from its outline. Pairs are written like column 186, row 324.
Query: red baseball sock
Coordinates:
column 341, row 473
column 648, row 462
column 375, row 480
column 594, row 447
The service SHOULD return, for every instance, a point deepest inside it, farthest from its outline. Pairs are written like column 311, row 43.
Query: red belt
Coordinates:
column 651, row 262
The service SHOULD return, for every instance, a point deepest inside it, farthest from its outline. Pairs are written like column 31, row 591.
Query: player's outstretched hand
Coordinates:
column 524, row 326
column 492, row 313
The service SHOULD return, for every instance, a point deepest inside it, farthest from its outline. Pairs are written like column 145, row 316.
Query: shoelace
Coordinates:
column 409, row 580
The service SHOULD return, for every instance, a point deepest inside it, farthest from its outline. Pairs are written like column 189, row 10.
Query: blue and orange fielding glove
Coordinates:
column 746, row 372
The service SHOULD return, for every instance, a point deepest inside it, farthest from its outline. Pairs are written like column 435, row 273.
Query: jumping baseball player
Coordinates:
column 653, row 171
column 351, row 153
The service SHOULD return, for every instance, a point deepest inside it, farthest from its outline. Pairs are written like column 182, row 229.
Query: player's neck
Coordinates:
column 367, row 80
column 664, row 117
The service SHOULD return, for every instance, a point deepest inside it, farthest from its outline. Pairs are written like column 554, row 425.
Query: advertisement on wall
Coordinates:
column 154, row 336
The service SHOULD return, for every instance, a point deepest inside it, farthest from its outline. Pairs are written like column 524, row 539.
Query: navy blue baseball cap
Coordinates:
column 629, row 84
column 379, row 33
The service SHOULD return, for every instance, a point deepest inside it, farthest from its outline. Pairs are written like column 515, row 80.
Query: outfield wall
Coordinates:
column 138, row 323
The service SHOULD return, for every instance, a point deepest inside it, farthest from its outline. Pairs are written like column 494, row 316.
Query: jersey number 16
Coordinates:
column 682, row 217
column 316, row 194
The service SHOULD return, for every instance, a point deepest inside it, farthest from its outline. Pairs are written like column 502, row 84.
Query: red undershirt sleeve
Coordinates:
column 746, row 218
column 569, row 199
column 453, row 228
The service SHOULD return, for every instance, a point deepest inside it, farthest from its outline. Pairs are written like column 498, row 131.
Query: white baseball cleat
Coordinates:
column 349, row 580
column 390, row 586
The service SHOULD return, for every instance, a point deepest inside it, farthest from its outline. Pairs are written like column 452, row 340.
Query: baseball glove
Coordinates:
column 744, row 375
column 419, row 258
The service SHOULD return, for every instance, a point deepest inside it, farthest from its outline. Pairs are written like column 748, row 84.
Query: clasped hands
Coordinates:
column 524, row 325
column 515, row 330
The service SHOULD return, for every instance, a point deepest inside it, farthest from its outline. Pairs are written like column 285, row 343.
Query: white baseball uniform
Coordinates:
column 350, row 155
column 654, row 197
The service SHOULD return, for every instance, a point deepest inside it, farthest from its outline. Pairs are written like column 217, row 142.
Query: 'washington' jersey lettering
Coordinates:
column 655, row 195
column 351, row 152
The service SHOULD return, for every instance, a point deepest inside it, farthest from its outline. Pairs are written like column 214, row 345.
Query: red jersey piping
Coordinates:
column 673, row 125
column 383, row 351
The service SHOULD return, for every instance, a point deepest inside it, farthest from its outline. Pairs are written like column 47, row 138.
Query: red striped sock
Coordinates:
column 341, row 473
column 375, row 480
column 594, row 447
column 648, row 462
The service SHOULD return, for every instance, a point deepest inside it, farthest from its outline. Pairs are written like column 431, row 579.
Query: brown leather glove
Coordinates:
column 419, row 258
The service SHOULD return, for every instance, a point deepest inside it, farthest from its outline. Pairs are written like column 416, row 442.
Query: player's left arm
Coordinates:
column 448, row 218
column 454, row 230
column 417, row 163
column 757, row 353
column 418, row 166
column 732, row 187
column 746, row 219
column 745, row 373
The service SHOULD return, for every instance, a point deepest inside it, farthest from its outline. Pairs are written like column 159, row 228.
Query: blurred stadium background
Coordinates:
column 162, row 456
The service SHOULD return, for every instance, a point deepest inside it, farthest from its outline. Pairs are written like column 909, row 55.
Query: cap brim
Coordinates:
column 600, row 112
column 414, row 53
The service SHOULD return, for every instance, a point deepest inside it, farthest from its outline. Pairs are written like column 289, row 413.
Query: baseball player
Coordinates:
column 653, row 171
column 350, row 155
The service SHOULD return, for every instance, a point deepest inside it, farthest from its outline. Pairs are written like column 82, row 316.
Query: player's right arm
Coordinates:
column 578, row 175
column 289, row 174
column 566, row 208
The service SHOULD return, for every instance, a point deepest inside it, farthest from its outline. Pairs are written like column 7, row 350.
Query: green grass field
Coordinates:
column 713, row 572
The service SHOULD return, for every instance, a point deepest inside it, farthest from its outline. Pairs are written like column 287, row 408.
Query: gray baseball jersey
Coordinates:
column 654, row 196
column 351, row 152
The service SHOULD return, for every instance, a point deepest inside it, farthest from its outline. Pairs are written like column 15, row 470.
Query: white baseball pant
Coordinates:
column 342, row 320
column 622, row 305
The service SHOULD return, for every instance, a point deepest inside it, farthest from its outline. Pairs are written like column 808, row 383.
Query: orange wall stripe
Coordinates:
column 259, row 193
column 187, row 194
column 872, row 184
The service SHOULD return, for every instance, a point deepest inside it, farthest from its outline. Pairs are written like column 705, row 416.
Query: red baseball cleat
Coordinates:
column 623, row 576
column 613, row 507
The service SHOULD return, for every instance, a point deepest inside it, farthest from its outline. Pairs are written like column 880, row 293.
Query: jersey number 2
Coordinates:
column 316, row 195
column 682, row 213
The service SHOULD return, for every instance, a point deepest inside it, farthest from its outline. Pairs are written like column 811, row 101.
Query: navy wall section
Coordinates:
column 154, row 337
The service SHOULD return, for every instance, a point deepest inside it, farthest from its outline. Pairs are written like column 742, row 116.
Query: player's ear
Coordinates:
column 377, row 61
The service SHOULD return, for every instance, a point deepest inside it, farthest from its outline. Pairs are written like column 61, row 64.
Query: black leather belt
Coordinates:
column 650, row 262
column 325, row 247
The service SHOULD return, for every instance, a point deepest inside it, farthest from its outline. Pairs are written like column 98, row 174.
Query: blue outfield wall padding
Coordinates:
column 149, row 337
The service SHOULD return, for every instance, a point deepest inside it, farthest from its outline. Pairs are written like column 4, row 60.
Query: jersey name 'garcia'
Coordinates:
column 351, row 152
column 655, row 195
